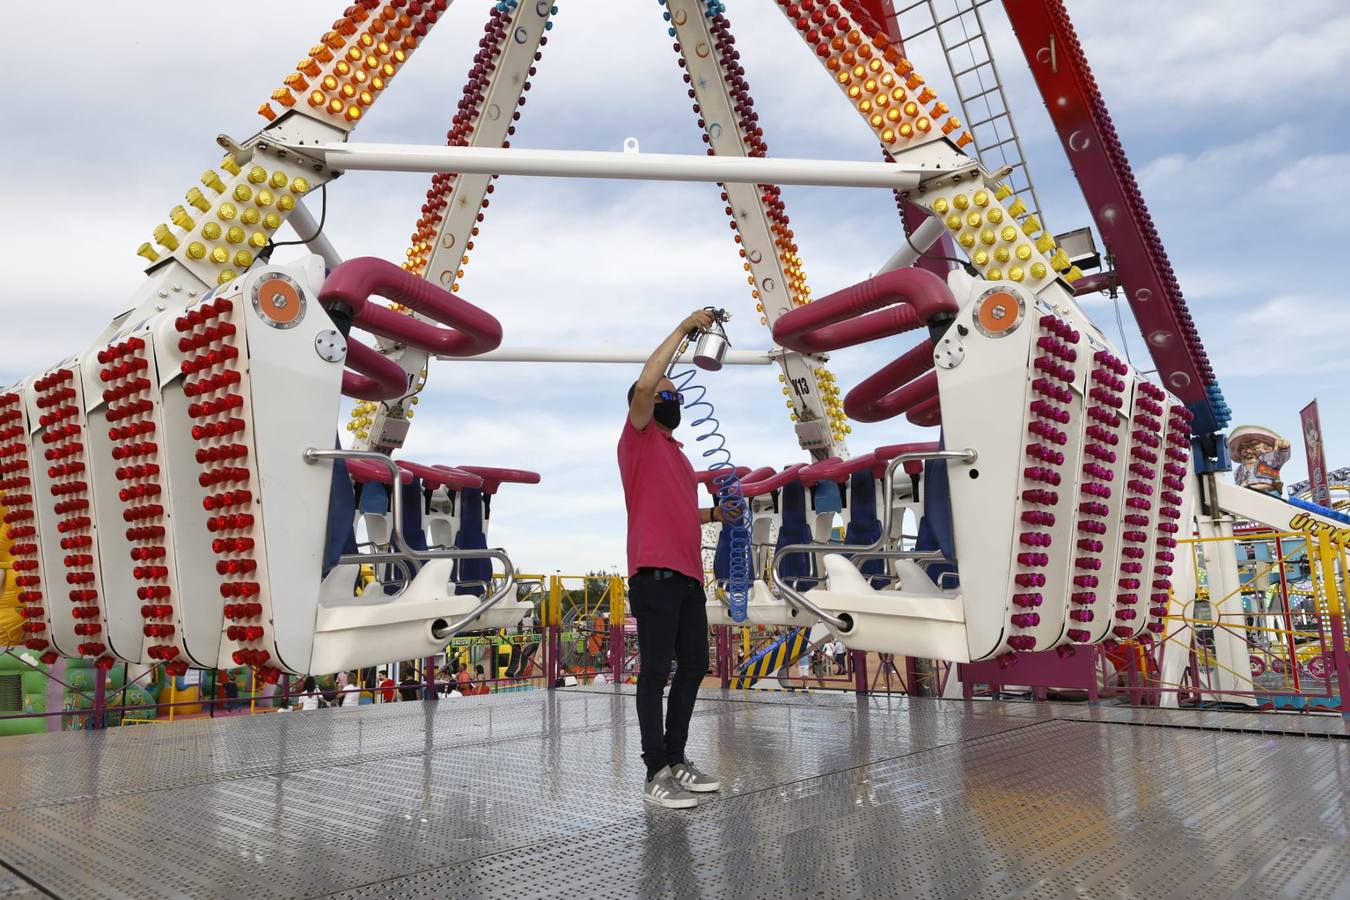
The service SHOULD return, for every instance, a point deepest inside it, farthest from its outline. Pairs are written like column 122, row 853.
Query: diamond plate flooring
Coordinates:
column 824, row 795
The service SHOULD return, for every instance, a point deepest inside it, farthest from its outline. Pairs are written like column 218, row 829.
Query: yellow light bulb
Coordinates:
column 1008, row 233
column 243, row 193
column 258, row 239
column 1003, row 191
column 226, row 211
column 234, row 234
column 257, row 174
column 995, row 215
column 1031, row 225
column 195, row 198
column 1038, row 270
column 196, row 250
column 225, row 277
column 1017, row 208
column 1016, row 273
column 285, row 203
column 220, row 255
column 211, row 231
column 1060, row 261
column 988, row 237
column 981, row 258
column 1023, row 252
column 961, row 201
column 1002, row 254
column 940, row 206
column 243, row 259
column 888, row 135
column 230, row 164
column 212, row 180
column 250, row 216
column 994, row 274
column 967, row 240
column 954, row 222
column 147, row 251
column 973, row 219
column 165, row 238
column 1045, row 243
column 179, row 217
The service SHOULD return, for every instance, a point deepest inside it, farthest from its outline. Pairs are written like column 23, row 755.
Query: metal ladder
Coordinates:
column 984, row 106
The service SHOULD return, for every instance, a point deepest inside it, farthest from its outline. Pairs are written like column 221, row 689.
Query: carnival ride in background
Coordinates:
column 162, row 487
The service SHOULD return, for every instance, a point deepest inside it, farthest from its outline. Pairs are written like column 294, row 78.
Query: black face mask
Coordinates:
column 667, row 413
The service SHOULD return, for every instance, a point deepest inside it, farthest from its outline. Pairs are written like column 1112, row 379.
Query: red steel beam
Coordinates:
column 1090, row 141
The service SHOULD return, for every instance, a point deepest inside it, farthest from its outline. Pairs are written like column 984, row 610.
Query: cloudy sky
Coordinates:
column 1233, row 117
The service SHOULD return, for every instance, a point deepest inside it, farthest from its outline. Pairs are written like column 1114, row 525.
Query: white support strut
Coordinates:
column 628, row 165
column 607, row 355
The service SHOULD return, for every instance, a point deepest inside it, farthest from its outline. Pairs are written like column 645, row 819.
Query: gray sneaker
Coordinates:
column 662, row 790
column 688, row 776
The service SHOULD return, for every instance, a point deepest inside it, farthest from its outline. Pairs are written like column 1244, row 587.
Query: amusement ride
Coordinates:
column 174, row 494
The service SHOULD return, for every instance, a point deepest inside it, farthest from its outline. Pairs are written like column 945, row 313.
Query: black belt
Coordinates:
column 661, row 574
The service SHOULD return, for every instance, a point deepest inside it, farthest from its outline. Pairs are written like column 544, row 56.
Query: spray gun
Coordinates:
column 713, row 343
column 709, row 353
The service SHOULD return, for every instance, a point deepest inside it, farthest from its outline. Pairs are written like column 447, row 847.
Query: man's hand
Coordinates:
column 640, row 410
column 698, row 320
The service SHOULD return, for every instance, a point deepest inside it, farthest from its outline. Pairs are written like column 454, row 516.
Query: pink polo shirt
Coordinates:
column 662, row 498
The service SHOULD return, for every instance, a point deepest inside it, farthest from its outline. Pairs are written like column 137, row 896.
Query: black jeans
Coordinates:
column 672, row 622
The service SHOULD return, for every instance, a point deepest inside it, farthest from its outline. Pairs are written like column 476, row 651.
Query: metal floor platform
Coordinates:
column 536, row 794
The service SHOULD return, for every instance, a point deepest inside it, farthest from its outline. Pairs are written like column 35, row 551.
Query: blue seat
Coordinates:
column 471, row 537
column 414, row 535
column 722, row 555
column 936, row 530
column 340, row 532
column 374, row 499
column 864, row 527
column 794, row 529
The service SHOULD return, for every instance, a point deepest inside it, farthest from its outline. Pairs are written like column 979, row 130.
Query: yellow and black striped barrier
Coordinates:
column 772, row 658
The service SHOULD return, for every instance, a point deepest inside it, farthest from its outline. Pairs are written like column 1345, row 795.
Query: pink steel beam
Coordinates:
column 1080, row 117
column 352, row 284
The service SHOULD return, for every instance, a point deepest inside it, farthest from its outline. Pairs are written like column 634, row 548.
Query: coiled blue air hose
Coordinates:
column 727, row 486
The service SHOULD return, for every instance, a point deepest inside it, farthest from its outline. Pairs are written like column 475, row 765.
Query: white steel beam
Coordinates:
column 307, row 230
column 606, row 355
column 629, row 164
column 924, row 237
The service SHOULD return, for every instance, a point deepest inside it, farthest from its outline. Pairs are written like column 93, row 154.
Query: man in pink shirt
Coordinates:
column 665, row 573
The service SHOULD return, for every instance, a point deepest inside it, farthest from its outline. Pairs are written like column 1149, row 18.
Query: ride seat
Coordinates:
column 340, row 533
column 936, row 528
column 794, row 529
column 471, row 575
